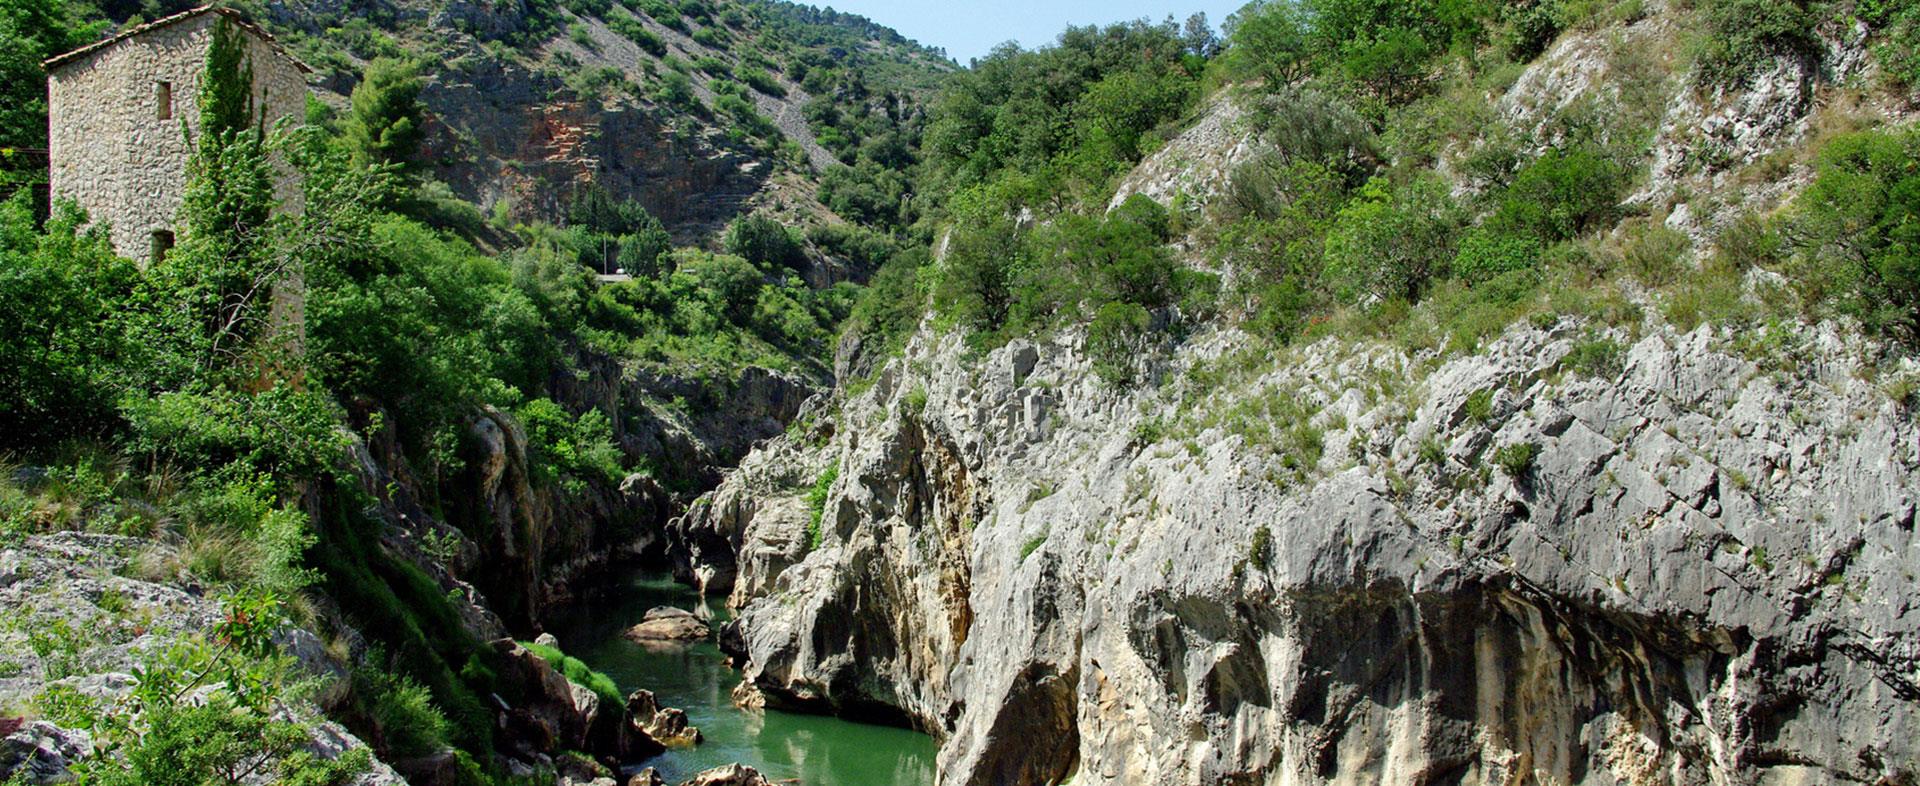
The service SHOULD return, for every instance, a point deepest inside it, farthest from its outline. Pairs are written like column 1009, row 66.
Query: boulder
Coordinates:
column 669, row 624
column 660, row 727
column 40, row 752
column 730, row 775
column 646, row 777
column 552, row 713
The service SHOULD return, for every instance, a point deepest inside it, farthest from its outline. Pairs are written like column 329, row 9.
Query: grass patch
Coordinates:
column 1517, row 459
column 1479, row 405
column 817, row 504
column 1033, row 544
column 578, row 673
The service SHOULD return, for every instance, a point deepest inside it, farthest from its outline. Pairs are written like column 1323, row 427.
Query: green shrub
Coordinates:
column 1260, row 549
column 748, row 120
column 983, row 246
column 1600, row 357
column 1563, row 194
column 403, row 710
column 60, row 375
column 1485, row 253
column 1742, row 36
column 1857, row 230
column 1269, row 40
column 1898, row 24
column 632, row 28
column 1713, row 294
column 1479, row 405
column 916, row 401
column 890, row 307
column 1310, row 126
column 193, row 745
column 567, row 450
column 760, row 80
column 1115, row 338
column 1516, row 459
column 817, row 503
column 1654, row 253
column 581, row 36
column 1750, row 241
column 1531, row 28
column 1392, row 239
column 711, row 37
column 675, row 89
column 386, row 121
column 760, row 239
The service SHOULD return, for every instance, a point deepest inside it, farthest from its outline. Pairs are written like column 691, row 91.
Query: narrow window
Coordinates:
column 163, row 100
column 162, row 243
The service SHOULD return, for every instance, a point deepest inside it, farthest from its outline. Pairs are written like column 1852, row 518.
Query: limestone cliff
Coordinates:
column 1585, row 551
column 1703, row 576
column 523, row 545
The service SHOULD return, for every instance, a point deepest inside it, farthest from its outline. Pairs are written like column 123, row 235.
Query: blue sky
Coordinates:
column 969, row 28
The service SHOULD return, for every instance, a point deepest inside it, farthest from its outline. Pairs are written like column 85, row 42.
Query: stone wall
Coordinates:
column 113, row 153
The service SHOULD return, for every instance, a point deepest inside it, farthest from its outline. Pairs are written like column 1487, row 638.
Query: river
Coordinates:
column 694, row 677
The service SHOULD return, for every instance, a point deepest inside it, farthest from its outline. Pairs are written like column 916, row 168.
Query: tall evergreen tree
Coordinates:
column 385, row 124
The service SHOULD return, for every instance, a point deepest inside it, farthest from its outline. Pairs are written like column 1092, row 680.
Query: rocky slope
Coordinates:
column 1704, row 575
column 1586, row 552
column 536, row 541
column 85, row 613
column 513, row 130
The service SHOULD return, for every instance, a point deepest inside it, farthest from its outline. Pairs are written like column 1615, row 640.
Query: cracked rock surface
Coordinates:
column 1336, row 567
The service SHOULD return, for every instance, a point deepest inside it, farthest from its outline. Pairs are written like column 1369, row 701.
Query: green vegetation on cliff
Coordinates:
column 180, row 404
column 1384, row 194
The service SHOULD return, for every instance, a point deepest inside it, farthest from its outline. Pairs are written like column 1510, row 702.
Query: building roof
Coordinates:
column 232, row 15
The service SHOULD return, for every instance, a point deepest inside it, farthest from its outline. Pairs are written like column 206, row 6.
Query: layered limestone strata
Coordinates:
column 1705, row 575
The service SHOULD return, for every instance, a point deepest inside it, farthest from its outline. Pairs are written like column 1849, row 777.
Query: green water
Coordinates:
column 695, row 678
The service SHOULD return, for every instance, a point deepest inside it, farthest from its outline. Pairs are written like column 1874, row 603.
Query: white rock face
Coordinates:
column 1704, row 576
column 1198, row 163
column 1580, row 555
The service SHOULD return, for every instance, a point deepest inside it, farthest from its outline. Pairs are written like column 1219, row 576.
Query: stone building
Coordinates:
column 122, row 112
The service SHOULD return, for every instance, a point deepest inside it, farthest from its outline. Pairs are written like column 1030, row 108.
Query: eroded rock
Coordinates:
column 1126, row 591
column 730, row 775
column 667, row 623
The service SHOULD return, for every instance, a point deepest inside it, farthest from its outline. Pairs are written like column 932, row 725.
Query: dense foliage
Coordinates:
column 33, row 31
column 1858, row 229
column 1343, row 214
column 212, row 399
column 1385, row 196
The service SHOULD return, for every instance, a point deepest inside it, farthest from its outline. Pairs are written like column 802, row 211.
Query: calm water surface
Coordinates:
column 695, row 678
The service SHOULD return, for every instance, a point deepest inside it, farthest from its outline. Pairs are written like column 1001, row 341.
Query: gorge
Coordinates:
column 1459, row 392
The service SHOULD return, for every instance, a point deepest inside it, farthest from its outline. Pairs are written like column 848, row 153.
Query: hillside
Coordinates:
column 1522, row 396
column 1369, row 392
column 741, row 103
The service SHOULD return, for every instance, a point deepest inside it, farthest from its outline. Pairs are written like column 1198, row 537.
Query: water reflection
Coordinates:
column 694, row 677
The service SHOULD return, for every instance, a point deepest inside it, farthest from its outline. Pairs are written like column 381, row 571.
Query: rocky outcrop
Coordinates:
column 41, row 752
column 513, row 547
column 667, row 623
column 666, row 725
column 730, row 775
column 87, row 612
column 549, row 715
column 1669, row 558
column 1198, row 164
